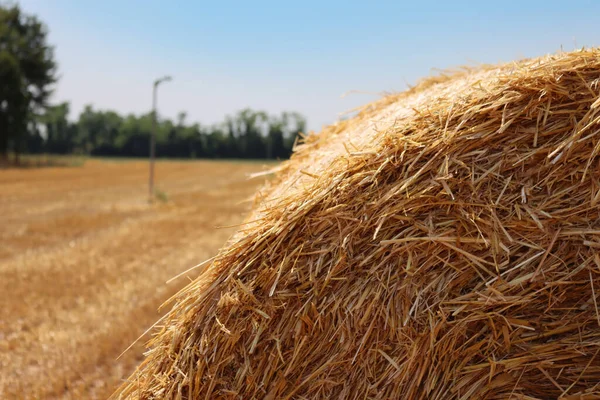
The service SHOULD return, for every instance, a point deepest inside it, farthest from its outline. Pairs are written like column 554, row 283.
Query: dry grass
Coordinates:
column 84, row 260
column 441, row 245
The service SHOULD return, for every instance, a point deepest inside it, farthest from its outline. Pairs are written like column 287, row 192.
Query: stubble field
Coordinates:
column 84, row 261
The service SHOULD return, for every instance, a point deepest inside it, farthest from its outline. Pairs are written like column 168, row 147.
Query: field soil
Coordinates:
column 84, row 261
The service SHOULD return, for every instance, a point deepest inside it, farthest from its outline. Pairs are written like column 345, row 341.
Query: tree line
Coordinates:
column 247, row 134
column 28, row 124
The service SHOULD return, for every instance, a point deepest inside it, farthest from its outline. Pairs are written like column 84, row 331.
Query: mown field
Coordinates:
column 84, row 261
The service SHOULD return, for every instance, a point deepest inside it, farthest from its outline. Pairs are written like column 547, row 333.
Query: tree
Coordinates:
column 60, row 134
column 27, row 71
column 249, row 129
column 298, row 126
column 275, row 139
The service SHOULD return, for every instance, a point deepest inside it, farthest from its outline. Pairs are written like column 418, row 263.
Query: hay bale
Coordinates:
column 443, row 244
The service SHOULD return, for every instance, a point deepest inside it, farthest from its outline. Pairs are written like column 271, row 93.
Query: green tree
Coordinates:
column 248, row 128
column 27, row 70
column 275, row 139
column 295, row 124
column 60, row 134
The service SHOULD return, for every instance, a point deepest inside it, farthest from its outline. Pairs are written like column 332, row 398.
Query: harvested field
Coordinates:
column 84, row 261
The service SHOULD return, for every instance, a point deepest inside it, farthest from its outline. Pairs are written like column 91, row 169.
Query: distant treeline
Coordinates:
column 248, row 134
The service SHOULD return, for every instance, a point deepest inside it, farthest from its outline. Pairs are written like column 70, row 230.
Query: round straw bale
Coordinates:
column 442, row 244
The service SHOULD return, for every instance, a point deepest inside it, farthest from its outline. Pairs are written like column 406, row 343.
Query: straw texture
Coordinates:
column 443, row 244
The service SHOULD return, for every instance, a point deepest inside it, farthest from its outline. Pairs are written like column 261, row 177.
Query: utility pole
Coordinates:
column 153, row 136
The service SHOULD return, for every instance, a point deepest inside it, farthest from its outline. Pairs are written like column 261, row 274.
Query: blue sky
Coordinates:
column 287, row 55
